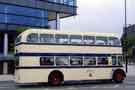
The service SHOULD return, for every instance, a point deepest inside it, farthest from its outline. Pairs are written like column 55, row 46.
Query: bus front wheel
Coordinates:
column 118, row 76
column 55, row 78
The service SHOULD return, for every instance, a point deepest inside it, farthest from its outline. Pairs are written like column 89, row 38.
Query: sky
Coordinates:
column 100, row 16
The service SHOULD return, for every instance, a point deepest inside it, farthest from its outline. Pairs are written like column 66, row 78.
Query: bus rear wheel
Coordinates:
column 118, row 77
column 55, row 79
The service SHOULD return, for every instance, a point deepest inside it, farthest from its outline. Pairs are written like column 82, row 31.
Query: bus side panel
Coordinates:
column 69, row 49
column 87, row 73
column 41, row 75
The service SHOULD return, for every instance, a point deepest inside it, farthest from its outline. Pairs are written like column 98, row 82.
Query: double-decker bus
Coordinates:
column 56, row 57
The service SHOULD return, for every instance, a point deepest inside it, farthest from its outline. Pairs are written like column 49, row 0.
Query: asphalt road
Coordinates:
column 129, row 84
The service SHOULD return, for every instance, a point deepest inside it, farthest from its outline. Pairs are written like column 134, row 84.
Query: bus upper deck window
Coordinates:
column 32, row 38
column 114, row 41
column 61, row 39
column 75, row 39
column 90, row 40
column 101, row 41
column 46, row 38
column 18, row 39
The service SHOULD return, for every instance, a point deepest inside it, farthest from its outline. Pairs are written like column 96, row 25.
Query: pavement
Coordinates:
column 131, row 70
column 7, row 77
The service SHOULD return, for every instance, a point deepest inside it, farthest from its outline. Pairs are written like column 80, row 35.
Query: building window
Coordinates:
column 89, row 40
column 66, row 2
column 61, row 39
column 101, row 41
column 2, row 19
column 26, row 11
column 23, row 20
column 2, row 8
column 48, row 60
column 25, row 16
column 75, row 39
column 32, row 38
column 62, row 60
column 88, row 60
column 47, row 38
column 102, row 60
column 76, row 60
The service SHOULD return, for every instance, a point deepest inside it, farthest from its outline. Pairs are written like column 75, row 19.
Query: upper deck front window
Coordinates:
column 18, row 39
column 32, row 38
column 114, row 41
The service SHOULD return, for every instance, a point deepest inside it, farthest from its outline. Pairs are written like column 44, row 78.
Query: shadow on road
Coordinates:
column 66, row 85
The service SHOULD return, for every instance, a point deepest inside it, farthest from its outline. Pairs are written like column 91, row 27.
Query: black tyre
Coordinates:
column 118, row 77
column 55, row 79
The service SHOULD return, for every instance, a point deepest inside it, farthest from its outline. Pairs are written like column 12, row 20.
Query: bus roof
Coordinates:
column 52, row 31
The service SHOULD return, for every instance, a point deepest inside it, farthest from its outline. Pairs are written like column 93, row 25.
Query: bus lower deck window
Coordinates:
column 102, row 60
column 62, row 60
column 46, row 61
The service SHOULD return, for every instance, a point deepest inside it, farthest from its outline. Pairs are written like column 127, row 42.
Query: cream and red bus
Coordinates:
column 55, row 57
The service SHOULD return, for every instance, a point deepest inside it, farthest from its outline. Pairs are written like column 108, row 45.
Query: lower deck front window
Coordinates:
column 116, row 60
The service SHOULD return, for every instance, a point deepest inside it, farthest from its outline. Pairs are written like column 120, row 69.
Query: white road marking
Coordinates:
column 94, row 86
column 129, row 86
column 70, row 88
column 5, row 87
column 131, row 82
column 116, row 86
